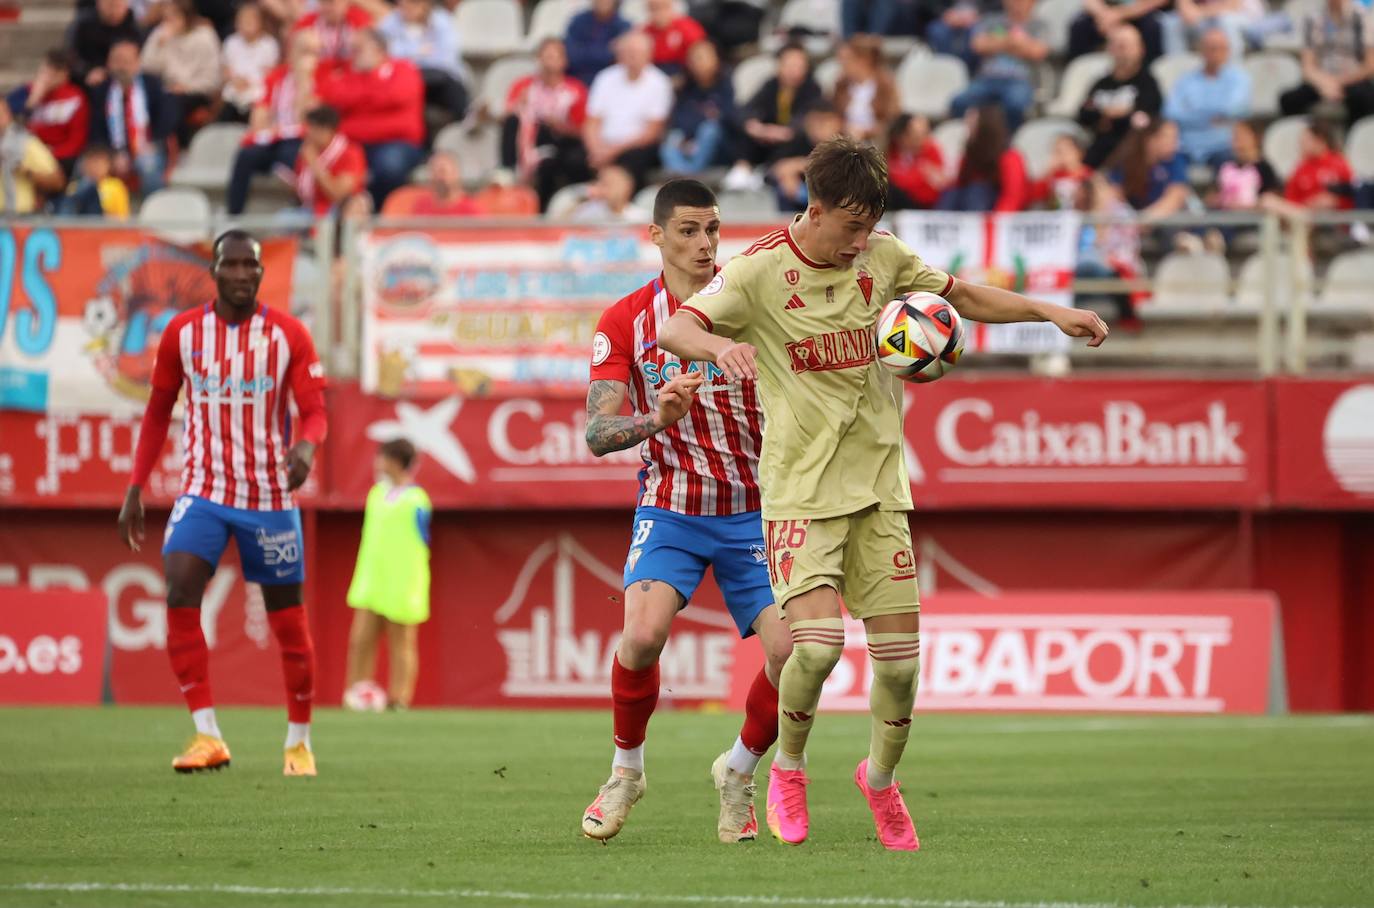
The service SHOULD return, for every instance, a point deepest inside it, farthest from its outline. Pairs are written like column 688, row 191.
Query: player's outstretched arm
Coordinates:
column 995, row 305
column 685, row 336
column 608, row 430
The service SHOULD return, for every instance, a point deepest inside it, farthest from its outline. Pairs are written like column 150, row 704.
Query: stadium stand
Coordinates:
column 500, row 37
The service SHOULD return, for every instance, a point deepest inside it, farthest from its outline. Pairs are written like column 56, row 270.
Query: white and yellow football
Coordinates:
column 919, row 337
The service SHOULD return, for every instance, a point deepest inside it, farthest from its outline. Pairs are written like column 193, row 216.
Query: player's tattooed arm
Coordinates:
column 607, row 429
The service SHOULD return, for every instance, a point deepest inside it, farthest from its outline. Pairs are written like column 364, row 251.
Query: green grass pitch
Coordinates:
column 482, row 808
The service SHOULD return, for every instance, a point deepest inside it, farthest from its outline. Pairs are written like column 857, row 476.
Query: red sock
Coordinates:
column 760, row 715
column 190, row 656
column 297, row 660
column 634, row 694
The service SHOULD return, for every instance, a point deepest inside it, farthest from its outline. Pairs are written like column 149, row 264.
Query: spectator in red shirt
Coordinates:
column 1062, row 186
column 55, row 109
column 915, row 164
column 673, row 33
column 330, row 169
column 382, row 102
column 277, row 121
column 335, row 22
column 541, row 139
column 992, row 175
column 1323, row 177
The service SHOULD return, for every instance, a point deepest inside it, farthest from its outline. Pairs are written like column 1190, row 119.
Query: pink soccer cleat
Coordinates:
column 895, row 829
column 787, row 815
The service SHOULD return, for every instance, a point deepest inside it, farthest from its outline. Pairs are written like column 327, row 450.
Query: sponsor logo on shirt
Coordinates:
column 228, row 386
column 656, row 374
column 851, row 349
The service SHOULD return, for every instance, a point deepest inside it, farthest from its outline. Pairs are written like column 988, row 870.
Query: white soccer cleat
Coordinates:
column 604, row 817
column 737, row 822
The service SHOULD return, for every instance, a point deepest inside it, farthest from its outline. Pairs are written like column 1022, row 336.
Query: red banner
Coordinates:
column 52, row 646
column 1074, row 652
column 1326, row 459
column 480, row 452
column 1116, row 443
column 50, row 550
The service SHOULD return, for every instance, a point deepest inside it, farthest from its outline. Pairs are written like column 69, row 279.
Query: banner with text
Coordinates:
column 1075, row 652
column 498, row 310
column 52, row 646
column 1091, row 442
column 81, row 312
column 1032, row 253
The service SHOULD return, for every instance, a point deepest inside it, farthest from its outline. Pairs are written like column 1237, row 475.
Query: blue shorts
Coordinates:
column 269, row 542
column 676, row 549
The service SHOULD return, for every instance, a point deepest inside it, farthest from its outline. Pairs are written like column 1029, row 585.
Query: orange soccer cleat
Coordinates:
column 204, row 752
column 299, row 761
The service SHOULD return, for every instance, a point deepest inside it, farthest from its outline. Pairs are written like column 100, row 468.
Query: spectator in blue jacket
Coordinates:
column 591, row 39
column 1208, row 102
column 699, row 127
column 425, row 35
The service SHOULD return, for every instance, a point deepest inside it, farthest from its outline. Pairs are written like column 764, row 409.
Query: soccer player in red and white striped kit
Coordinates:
column 240, row 363
column 698, row 506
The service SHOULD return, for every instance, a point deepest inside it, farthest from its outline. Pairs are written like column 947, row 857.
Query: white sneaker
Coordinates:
column 741, row 178
column 737, row 822
column 604, row 817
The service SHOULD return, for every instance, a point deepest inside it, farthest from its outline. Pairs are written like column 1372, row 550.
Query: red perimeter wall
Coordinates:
column 492, row 591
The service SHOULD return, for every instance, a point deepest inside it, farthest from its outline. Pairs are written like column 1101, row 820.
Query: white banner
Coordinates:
column 1032, row 253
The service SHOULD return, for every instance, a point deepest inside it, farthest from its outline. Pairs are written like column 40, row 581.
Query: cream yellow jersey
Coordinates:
column 832, row 436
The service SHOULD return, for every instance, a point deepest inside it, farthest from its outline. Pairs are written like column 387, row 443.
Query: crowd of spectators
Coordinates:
column 342, row 97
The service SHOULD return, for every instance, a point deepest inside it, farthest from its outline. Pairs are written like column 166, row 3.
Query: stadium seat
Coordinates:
column 497, row 80
column 1281, row 144
column 750, row 75
column 927, row 84
column 951, row 136
column 1290, row 40
column 818, row 19
column 749, row 205
column 1077, row 80
column 477, row 148
column 565, row 200
column 490, row 28
column 1359, row 148
column 210, row 157
column 1168, row 70
column 1035, row 140
column 1057, row 14
column 645, row 197
column 1348, row 279
column 1250, row 284
column 1271, row 74
column 550, row 19
column 181, row 214
column 1192, row 281
column 827, row 73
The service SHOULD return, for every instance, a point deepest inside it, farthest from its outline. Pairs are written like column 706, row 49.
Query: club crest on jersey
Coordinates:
column 865, row 281
column 631, row 561
column 785, row 567
column 792, row 275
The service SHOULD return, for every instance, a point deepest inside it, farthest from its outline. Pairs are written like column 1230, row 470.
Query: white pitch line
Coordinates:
column 512, row 896
column 1143, row 723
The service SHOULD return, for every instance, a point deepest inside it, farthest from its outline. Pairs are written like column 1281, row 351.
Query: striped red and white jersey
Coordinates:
column 238, row 379
column 707, row 463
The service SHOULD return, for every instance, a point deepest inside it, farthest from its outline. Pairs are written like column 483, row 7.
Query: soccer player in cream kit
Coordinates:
column 797, row 311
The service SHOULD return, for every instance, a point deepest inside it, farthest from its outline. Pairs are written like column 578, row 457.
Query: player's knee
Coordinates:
column 777, row 652
column 184, row 593
column 641, row 643
column 895, row 674
column 816, row 659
